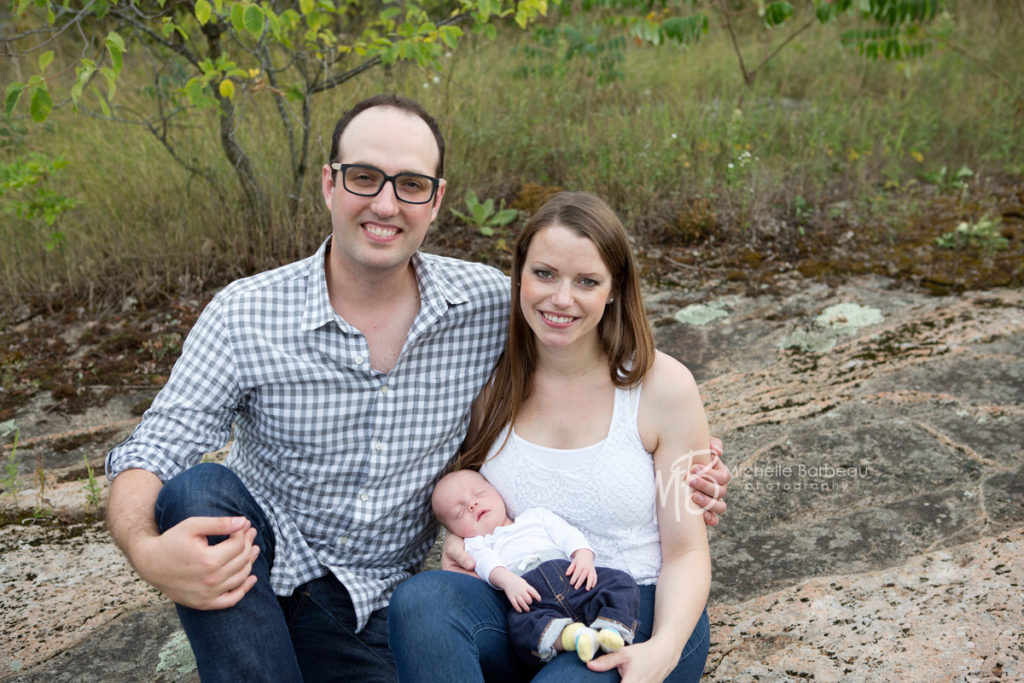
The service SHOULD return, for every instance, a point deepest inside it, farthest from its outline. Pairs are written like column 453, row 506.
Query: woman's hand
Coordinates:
column 454, row 557
column 640, row 663
column 709, row 483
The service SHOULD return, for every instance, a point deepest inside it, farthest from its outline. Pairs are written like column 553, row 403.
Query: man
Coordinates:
column 348, row 378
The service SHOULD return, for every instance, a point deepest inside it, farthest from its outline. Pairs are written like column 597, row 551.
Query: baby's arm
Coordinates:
column 518, row 591
column 489, row 567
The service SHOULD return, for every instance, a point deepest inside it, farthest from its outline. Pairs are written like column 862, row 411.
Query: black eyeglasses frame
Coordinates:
column 385, row 178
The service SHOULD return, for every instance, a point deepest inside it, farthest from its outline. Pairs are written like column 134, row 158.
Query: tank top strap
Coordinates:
column 627, row 408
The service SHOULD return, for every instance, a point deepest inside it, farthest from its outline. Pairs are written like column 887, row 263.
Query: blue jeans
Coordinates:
column 446, row 626
column 306, row 636
column 615, row 600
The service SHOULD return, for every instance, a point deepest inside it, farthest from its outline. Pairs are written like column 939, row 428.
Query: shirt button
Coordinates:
column 384, row 389
column 378, row 446
column 363, row 497
column 345, row 539
column 359, row 360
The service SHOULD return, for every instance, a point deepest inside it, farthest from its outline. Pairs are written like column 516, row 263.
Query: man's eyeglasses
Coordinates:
column 367, row 181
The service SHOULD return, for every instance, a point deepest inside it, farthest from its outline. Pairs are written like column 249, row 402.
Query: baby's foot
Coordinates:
column 610, row 639
column 586, row 643
column 569, row 636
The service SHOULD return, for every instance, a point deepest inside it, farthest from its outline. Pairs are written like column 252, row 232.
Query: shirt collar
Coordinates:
column 318, row 311
column 437, row 290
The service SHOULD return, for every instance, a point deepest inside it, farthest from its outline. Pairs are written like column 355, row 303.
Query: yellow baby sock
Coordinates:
column 569, row 636
column 610, row 640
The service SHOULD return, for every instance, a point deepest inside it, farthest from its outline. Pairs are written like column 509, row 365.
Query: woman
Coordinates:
column 580, row 407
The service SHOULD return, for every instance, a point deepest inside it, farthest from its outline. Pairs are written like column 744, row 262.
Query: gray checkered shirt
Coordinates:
column 341, row 457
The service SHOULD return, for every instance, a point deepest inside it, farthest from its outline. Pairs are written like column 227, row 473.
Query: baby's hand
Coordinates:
column 581, row 570
column 520, row 594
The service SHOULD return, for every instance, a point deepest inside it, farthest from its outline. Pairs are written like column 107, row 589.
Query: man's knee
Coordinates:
column 203, row 490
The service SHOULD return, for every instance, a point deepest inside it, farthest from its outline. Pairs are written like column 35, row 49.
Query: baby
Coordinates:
column 540, row 560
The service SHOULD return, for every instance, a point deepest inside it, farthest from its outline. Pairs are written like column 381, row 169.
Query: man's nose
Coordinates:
column 385, row 203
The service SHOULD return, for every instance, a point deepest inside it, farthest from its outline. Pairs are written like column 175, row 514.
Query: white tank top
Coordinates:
column 606, row 490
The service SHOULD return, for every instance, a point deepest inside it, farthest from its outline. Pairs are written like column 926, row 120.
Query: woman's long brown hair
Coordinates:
column 624, row 330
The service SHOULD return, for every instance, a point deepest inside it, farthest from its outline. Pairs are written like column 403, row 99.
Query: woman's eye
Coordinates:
column 542, row 274
column 587, row 282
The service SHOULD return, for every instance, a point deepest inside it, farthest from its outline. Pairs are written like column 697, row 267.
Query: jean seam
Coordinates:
column 705, row 634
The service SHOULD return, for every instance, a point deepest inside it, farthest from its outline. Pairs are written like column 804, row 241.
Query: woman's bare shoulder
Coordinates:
column 669, row 380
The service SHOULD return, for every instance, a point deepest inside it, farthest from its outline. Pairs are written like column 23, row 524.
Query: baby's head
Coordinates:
column 467, row 505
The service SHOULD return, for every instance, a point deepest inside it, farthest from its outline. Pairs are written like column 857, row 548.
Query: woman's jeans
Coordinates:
column 307, row 636
column 446, row 626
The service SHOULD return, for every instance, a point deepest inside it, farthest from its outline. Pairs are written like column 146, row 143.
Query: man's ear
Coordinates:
column 442, row 185
column 327, row 183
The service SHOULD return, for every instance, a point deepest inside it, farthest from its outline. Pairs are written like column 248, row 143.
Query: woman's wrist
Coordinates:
column 669, row 649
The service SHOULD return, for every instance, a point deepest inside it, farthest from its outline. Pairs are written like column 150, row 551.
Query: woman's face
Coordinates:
column 565, row 286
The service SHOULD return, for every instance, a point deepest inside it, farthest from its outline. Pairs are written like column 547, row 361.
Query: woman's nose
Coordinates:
column 562, row 296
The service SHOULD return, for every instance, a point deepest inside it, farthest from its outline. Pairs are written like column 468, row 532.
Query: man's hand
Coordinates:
column 709, row 483
column 454, row 557
column 581, row 569
column 183, row 565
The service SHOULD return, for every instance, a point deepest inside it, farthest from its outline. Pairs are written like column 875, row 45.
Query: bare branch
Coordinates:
column 810, row 22
column 747, row 77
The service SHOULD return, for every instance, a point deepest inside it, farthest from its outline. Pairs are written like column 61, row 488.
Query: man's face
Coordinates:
column 467, row 505
column 376, row 236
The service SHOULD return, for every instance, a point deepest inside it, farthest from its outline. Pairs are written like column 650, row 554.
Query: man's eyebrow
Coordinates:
column 398, row 172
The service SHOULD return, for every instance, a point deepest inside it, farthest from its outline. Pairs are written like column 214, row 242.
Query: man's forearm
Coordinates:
column 130, row 514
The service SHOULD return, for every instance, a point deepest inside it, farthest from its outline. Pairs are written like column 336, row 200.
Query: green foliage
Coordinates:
column 218, row 55
column 92, row 488
column 891, row 29
column 24, row 193
column 947, row 181
column 983, row 235
column 484, row 216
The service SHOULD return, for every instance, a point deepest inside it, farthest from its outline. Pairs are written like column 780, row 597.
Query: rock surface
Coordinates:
column 876, row 519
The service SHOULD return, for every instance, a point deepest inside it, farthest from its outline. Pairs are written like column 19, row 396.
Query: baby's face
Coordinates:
column 468, row 505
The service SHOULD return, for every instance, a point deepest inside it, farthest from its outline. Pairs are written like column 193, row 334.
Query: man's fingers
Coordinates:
column 234, row 549
column 235, row 567
column 230, row 598
column 215, row 526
